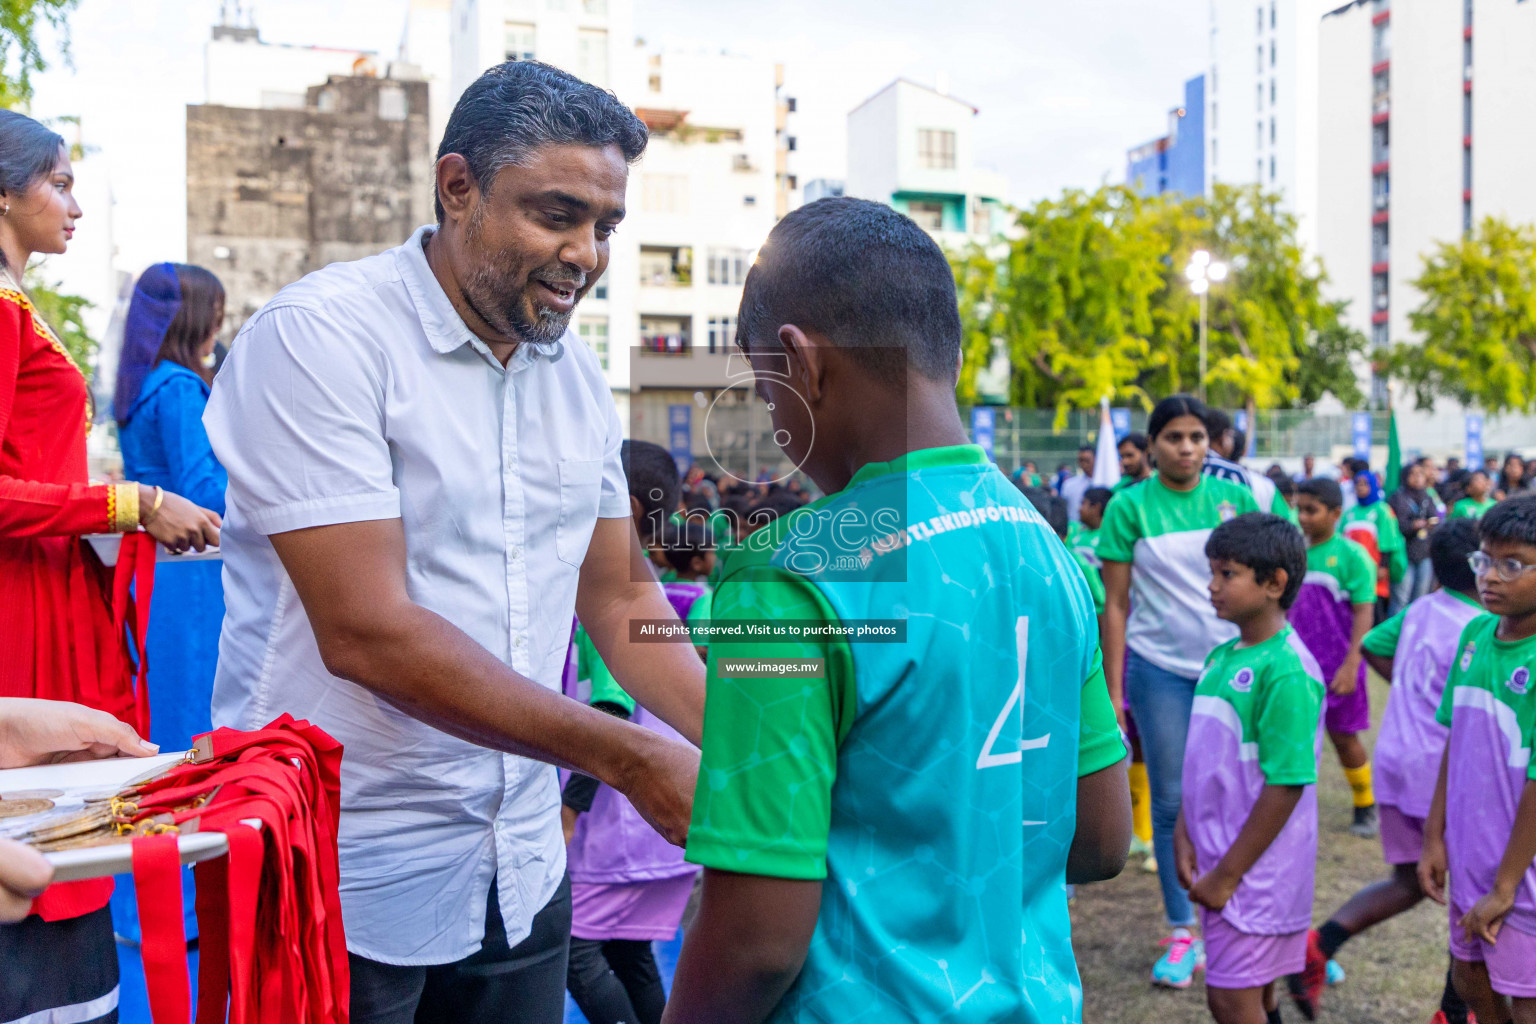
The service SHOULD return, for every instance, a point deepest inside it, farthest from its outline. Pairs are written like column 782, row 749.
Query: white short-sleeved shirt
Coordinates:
column 359, row 394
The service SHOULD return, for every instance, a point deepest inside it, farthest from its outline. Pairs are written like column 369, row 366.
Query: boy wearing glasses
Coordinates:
column 1482, row 823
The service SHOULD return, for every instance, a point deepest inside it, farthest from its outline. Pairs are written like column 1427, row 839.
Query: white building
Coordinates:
column 1261, row 100
column 1419, row 115
column 242, row 70
column 712, row 182
column 913, row 147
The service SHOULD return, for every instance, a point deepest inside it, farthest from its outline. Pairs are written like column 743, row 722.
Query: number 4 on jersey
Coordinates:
column 989, row 758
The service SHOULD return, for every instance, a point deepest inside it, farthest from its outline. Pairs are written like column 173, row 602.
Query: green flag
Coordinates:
column 1394, row 454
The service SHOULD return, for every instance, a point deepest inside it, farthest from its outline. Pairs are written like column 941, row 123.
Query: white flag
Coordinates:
column 1106, row 460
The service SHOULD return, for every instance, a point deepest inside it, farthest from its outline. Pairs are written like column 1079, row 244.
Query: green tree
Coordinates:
column 1089, row 299
column 1476, row 329
column 65, row 314
column 21, row 55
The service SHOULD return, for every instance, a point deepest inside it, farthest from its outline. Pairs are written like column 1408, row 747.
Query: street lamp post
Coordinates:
column 1202, row 272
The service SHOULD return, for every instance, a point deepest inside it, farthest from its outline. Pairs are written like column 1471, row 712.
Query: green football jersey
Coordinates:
column 1471, row 509
column 930, row 782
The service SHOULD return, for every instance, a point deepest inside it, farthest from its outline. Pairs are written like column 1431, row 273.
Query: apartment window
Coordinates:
column 1271, row 131
column 1259, row 58
column 596, row 8
column 1271, row 13
column 1272, row 92
column 981, row 214
column 722, row 334
column 666, row 335
column 1213, row 159
column 1466, row 208
column 392, row 105
column 1271, row 53
column 1261, row 18
column 729, row 266
column 790, row 143
column 790, row 105
column 1258, row 169
column 1271, row 167
column 594, row 331
column 1381, row 144
column 928, row 215
column 592, row 56
column 1213, row 115
column 519, row 41
column 1466, row 169
column 1213, row 79
column 1381, row 42
column 600, row 289
column 1466, row 113
column 1381, row 334
column 936, row 149
column 1380, row 243
column 1258, row 100
column 1259, row 133
column 749, row 200
column 666, row 266
column 664, row 193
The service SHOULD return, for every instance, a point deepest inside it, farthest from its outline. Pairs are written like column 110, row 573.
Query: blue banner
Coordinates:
column 1240, row 421
column 1474, row 440
column 1121, row 418
column 981, row 428
column 680, row 435
column 1362, row 432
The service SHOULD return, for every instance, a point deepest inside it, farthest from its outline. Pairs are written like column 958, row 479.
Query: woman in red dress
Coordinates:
column 57, row 638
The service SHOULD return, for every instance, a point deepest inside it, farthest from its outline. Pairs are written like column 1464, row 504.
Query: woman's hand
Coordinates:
column 177, row 523
column 34, row 731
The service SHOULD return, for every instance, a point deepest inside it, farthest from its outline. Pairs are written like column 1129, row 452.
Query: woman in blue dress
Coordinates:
column 162, row 387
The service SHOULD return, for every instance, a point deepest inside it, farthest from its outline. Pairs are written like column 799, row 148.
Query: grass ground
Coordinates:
column 1395, row 971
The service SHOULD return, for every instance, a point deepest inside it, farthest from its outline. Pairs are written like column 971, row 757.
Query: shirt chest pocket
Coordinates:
column 581, row 483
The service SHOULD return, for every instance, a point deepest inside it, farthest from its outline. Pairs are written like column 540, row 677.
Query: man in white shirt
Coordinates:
column 1074, row 487
column 424, row 482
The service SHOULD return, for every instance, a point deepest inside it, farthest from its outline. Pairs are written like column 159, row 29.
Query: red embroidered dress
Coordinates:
column 56, row 626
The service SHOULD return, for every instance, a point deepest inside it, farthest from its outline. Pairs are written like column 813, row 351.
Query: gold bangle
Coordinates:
column 123, row 508
column 159, row 500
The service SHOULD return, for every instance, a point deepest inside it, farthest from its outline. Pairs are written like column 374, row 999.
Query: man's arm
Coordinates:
column 745, row 948
column 1117, row 607
column 1103, row 837
column 351, row 578
column 616, row 587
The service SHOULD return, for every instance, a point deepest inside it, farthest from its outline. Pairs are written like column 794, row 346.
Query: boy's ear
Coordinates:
column 807, row 360
column 1275, row 586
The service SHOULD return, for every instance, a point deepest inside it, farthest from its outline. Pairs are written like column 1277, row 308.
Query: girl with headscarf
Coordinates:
column 58, row 638
column 1372, row 524
column 162, row 386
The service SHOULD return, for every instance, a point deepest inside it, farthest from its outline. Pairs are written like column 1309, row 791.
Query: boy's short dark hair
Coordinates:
column 1264, row 543
column 653, row 482
column 1136, row 440
column 1326, row 491
column 1287, row 487
column 685, row 541
column 1052, row 508
column 867, row 278
column 1217, row 422
column 1098, row 495
column 776, row 503
column 1479, row 471
column 1359, row 466
column 1239, row 443
column 1512, row 520
column 1449, row 545
column 1171, row 408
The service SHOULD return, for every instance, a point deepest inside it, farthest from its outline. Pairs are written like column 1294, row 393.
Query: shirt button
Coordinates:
column 515, row 553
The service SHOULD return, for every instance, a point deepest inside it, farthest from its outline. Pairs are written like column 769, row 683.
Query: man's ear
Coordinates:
column 457, row 189
column 807, row 361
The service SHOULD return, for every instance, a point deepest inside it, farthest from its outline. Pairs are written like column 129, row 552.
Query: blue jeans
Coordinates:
column 1161, row 702
column 1416, row 581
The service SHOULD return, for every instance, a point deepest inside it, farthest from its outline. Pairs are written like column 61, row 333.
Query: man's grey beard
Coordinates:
column 485, row 290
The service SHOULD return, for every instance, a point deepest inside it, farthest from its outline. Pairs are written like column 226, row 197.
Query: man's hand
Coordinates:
column 24, row 874
column 1486, row 917
column 661, row 785
column 1346, row 678
column 1213, row 889
column 1432, row 868
column 49, row 731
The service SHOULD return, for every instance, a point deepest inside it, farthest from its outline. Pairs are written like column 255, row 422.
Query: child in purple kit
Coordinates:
column 1414, row 649
column 1482, row 824
column 629, row 886
column 1332, row 614
column 1246, row 838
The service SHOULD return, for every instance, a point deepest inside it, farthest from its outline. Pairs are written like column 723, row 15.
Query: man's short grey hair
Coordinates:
column 516, row 107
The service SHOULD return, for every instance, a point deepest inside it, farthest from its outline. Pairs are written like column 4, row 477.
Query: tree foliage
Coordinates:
column 1476, row 329
column 1089, row 299
column 21, row 55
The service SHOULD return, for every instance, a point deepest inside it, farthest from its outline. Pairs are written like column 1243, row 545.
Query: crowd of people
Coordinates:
column 434, row 535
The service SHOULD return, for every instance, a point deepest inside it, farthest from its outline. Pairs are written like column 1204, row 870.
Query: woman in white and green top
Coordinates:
column 1158, row 626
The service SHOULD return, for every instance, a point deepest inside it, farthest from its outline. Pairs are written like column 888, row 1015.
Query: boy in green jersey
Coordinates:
column 1477, row 501
column 1053, row 509
column 888, row 834
column 1335, row 610
column 1086, row 543
column 1481, row 828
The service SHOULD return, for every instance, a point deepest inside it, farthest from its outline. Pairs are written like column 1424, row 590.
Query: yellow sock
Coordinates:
column 1360, row 785
column 1141, row 802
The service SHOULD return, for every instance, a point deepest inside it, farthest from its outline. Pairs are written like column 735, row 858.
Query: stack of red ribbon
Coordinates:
column 269, row 916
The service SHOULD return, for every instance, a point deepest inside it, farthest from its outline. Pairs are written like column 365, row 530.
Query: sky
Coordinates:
column 1063, row 88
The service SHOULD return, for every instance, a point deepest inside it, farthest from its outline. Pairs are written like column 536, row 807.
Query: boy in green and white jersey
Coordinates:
column 889, row 836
